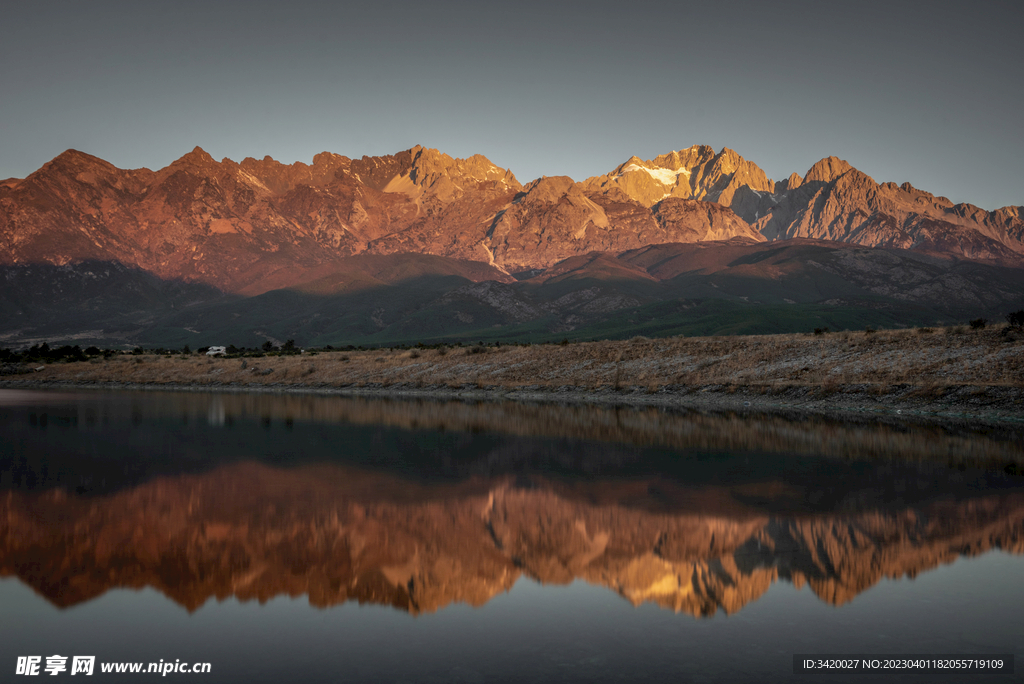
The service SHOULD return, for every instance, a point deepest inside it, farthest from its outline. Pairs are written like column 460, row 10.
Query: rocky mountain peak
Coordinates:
column 695, row 172
column 281, row 178
column 632, row 161
column 198, row 158
column 448, row 178
column 827, row 170
column 792, row 183
column 76, row 169
column 549, row 188
column 73, row 156
column 729, row 159
column 326, row 159
column 70, row 161
column 688, row 158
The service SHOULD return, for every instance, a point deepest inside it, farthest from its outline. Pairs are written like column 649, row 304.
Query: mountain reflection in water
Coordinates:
column 419, row 505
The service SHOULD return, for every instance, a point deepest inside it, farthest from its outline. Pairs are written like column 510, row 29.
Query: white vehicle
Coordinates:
column 217, row 351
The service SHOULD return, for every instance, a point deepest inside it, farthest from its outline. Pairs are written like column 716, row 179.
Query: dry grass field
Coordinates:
column 925, row 361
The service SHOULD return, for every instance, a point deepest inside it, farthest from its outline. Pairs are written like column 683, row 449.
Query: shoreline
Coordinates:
column 950, row 374
column 955, row 404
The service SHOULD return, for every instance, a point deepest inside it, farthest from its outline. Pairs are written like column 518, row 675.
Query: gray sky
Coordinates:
column 929, row 93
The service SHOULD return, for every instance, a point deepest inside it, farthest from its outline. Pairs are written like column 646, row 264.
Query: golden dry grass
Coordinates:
column 928, row 361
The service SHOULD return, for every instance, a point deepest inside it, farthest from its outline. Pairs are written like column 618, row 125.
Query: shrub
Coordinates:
column 820, row 331
column 978, row 323
column 1016, row 319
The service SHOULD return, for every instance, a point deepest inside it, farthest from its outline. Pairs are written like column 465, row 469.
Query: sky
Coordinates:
column 929, row 93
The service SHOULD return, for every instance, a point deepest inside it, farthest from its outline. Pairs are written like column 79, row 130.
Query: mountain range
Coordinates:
column 91, row 251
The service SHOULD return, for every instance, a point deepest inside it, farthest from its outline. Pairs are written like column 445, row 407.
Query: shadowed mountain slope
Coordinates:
column 419, row 245
column 236, row 225
column 682, row 288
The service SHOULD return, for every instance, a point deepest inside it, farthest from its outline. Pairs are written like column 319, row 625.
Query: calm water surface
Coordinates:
column 320, row 539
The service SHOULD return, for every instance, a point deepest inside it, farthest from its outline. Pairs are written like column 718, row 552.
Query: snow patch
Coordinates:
column 663, row 176
column 666, row 176
column 761, row 194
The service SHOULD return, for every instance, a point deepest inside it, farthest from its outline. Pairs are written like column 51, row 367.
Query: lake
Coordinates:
column 290, row 537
